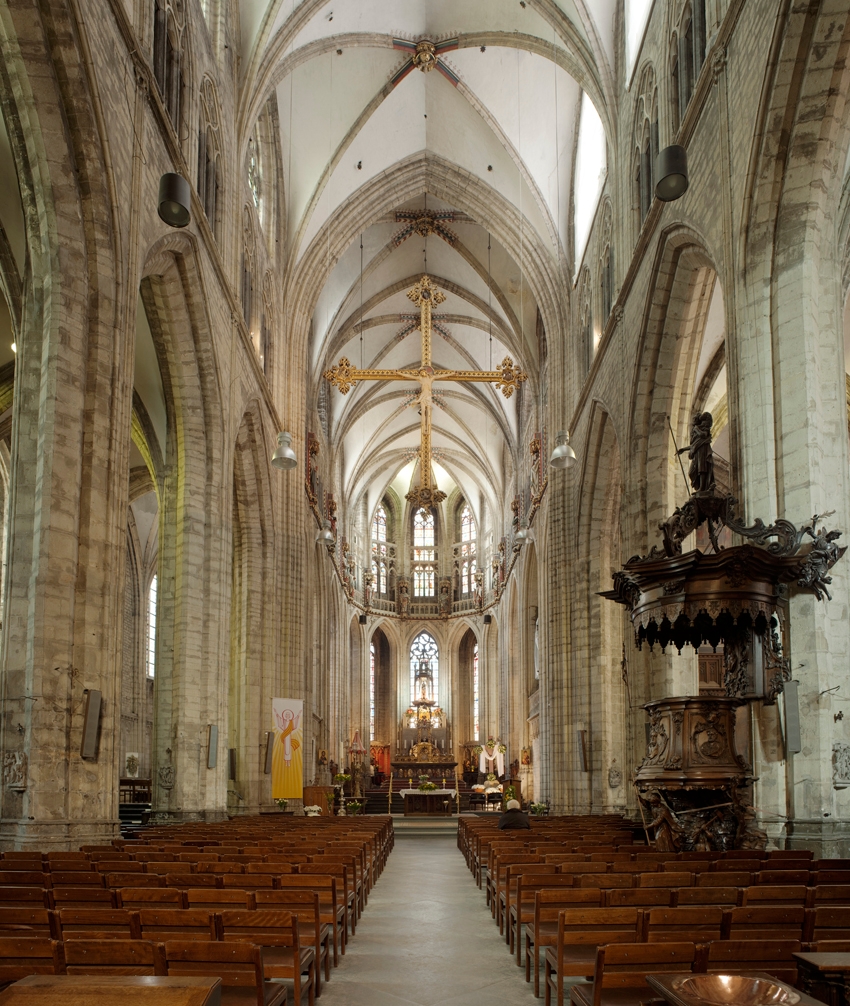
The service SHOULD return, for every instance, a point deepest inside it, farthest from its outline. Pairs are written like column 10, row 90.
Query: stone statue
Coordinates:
column 445, row 597
column 403, row 596
column 701, row 470
column 822, row 557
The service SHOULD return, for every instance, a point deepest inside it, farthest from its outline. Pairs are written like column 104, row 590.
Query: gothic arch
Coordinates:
column 677, row 302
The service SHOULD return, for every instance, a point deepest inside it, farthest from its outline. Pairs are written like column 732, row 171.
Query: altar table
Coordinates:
column 112, row 990
column 431, row 803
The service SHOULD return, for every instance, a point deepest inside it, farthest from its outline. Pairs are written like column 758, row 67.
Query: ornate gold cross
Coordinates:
column 507, row 377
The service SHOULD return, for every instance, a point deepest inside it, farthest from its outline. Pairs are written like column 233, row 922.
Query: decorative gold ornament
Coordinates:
column 507, row 378
column 425, row 56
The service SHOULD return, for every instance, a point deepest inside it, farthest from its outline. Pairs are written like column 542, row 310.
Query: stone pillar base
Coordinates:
column 827, row 838
column 56, row 836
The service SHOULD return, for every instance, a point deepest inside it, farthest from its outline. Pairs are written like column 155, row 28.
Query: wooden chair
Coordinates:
column 163, row 867
column 283, row 956
column 606, row 881
column 784, row 854
column 519, row 901
column 76, row 878
column 137, row 898
column 828, row 923
column 83, row 897
column 334, row 909
column 580, row 932
column 216, row 900
column 219, row 868
column 783, row 877
column 620, row 970
column 734, row 956
column 28, row 865
column 780, row 922
column 640, row 897
column 542, row 931
column 98, row 924
column 110, row 866
column 26, row 878
column 161, row 924
column 29, row 922
column 776, row 894
column 683, row 897
column 695, row 924
column 245, row 881
column 28, row 955
column 666, row 879
column 111, row 957
column 187, row 880
column 238, row 965
column 835, row 894
column 304, row 907
column 25, row 897
column 117, row 880
column 725, row 878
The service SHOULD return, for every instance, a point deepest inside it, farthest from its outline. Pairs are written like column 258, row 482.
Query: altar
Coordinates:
column 429, row 803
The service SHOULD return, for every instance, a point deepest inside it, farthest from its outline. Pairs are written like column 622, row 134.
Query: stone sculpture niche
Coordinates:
column 693, row 783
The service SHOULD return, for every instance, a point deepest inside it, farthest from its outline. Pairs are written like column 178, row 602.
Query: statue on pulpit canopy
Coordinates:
column 701, row 469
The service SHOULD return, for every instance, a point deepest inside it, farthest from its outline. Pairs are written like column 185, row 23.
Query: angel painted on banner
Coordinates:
column 287, row 773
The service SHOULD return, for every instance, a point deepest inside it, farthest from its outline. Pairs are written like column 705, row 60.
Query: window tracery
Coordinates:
column 168, row 42
column 585, row 302
column 150, row 648
column 371, row 691
column 209, row 154
column 253, row 172
column 646, row 142
column 248, row 256
column 690, row 55
column 380, row 552
column 606, row 265
column 425, row 654
column 266, row 322
column 468, row 549
column 424, row 553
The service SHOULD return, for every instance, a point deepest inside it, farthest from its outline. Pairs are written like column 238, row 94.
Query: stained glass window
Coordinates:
column 379, row 525
column 424, row 554
column 379, row 551
column 467, row 577
column 467, row 525
column 424, row 648
column 151, row 628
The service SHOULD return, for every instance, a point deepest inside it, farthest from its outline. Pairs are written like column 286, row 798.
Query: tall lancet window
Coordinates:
column 476, row 694
column 379, row 551
column 372, row 692
column 151, row 629
column 468, row 544
column 424, row 667
column 424, row 553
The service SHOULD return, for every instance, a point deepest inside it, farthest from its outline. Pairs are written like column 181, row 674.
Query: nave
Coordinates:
column 428, row 938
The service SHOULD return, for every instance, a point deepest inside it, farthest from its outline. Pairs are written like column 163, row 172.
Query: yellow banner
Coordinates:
column 288, row 752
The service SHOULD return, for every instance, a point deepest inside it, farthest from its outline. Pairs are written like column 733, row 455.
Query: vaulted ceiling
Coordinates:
column 501, row 116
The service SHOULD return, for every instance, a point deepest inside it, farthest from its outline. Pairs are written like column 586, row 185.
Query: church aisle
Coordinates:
column 426, row 938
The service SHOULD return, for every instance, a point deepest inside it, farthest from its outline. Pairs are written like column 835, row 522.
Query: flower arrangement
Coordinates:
column 282, row 804
column 341, row 778
column 510, row 793
column 353, row 806
column 492, row 743
column 313, row 811
column 425, row 784
column 492, row 777
column 537, row 809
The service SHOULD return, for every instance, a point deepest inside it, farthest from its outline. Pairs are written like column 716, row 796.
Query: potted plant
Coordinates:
column 353, row 806
column 313, row 810
column 538, row 809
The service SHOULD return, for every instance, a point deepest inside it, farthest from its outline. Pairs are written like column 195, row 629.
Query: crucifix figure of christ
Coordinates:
column 507, row 377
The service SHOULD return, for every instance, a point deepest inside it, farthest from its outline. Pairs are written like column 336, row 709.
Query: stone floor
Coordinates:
column 427, row 938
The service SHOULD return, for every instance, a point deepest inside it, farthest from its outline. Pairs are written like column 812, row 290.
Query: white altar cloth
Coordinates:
column 430, row 792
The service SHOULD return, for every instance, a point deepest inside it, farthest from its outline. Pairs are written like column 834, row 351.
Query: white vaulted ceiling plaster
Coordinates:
column 507, row 129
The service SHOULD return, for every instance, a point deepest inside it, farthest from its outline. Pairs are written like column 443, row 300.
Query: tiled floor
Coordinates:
column 427, row 938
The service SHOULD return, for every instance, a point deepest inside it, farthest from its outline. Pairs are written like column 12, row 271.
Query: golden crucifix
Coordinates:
column 344, row 376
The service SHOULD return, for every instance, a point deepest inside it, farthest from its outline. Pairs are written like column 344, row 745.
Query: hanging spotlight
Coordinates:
column 521, row 536
column 324, row 536
column 488, row 619
column 671, row 170
column 563, row 456
column 363, row 620
column 284, row 456
column 174, row 200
